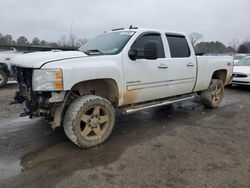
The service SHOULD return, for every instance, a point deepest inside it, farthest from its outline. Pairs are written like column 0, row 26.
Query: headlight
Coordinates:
column 47, row 80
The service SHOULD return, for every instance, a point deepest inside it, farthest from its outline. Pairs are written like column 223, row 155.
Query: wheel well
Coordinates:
column 106, row 88
column 221, row 75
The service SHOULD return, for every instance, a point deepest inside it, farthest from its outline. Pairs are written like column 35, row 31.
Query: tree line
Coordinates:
column 71, row 41
column 233, row 46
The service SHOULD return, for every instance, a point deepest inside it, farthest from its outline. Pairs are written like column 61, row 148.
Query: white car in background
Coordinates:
column 5, row 70
column 238, row 57
column 241, row 74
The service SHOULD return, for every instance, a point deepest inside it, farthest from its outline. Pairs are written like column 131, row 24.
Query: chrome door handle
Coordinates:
column 162, row 66
column 190, row 65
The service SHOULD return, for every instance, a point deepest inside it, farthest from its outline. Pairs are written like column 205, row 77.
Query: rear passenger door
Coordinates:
column 182, row 69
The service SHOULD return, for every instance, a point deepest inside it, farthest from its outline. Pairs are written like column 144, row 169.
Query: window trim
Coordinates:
column 178, row 35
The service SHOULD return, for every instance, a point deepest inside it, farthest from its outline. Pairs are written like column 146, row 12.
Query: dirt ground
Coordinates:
column 6, row 97
column 187, row 146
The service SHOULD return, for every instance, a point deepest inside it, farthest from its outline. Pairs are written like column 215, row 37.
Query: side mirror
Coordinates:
column 132, row 54
column 150, row 50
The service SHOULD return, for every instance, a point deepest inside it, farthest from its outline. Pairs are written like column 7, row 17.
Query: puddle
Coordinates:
column 58, row 150
column 9, row 168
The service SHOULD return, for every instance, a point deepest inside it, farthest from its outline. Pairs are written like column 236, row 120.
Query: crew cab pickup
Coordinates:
column 126, row 69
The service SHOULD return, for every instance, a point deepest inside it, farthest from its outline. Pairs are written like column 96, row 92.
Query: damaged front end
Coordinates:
column 47, row 104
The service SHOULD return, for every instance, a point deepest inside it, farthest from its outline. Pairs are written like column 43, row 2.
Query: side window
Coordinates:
column 179, row 47
column 140, row 44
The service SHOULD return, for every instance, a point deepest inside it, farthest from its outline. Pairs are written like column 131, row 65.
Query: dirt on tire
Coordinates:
column 72, row 120
column 207, row 96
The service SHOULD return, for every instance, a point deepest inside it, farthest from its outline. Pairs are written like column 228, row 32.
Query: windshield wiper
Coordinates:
column 93, row 52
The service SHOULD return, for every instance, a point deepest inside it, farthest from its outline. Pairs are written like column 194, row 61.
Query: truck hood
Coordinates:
column 242, row 69
column 38, row 59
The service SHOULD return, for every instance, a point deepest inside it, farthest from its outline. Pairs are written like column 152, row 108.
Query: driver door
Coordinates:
column 145, row 79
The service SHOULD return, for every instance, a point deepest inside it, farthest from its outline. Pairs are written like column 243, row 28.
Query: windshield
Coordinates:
column 244, row 62
column 109, row 43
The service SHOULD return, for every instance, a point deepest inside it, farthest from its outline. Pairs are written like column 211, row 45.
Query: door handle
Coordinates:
column 190, row 64
column 162, row 66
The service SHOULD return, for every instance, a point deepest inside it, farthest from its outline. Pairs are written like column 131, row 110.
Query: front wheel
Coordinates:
column 89, row 121
column 212, row 97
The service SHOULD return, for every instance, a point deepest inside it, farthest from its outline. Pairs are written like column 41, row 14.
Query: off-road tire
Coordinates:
column 3, row 78
column 207, row 97
column 72, row 120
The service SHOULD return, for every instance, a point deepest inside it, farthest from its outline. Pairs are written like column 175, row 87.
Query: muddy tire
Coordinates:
column 89, row 121
column 212, row 97
column 3, row 78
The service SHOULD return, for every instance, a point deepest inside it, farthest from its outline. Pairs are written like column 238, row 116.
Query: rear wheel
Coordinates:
column 89, row 121
column 3, row 78
column 212, row 97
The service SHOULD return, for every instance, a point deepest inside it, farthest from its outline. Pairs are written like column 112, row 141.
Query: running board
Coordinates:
column 156, row 104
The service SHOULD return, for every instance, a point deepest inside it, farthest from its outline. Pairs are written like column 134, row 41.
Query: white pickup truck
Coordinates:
column 126, row 69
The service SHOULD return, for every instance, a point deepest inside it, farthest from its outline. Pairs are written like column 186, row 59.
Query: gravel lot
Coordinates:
column 187, row 146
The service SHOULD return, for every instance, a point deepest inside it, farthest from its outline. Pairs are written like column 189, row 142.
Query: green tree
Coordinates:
column 6, row 39
column 212, row 47
column 36, row 41
column 43, row 43
column 243, row 49
column 22, row 41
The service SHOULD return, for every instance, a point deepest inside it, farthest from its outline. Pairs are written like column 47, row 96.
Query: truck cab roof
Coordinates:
column 142, row 30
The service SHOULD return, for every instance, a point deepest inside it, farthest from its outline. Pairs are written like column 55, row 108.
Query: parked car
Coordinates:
column 241, row 73
column 238, row 57
column 5, row 70
column 126, row 69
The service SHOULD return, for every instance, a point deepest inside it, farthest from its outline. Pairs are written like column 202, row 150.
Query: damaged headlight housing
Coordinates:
column 47, row 80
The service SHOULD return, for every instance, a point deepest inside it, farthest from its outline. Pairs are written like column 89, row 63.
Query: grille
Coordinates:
column 239, row 75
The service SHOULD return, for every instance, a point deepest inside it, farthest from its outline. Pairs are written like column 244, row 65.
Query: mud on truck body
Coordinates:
column 127, row 69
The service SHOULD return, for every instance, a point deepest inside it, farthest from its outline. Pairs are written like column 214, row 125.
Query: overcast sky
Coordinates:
column 221, row 20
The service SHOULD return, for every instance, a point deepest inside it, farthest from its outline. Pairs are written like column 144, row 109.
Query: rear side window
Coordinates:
column 140, row 44
column 178, row 45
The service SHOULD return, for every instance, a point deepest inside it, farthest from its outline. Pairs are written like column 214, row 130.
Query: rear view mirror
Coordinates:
column 132, row 54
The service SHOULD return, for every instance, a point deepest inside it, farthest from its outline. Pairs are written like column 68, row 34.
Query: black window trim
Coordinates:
column 178, row 35
column 151, row 33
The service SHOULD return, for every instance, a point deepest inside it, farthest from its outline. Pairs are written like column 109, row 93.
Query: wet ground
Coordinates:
column 186, row 146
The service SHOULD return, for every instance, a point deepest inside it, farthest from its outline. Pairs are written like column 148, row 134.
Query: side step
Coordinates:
column 137, row 108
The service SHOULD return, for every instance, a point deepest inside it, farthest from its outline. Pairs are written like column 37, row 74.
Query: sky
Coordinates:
column 221, row 20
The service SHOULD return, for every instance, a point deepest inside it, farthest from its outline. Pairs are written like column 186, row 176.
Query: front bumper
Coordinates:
column 241, row 81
